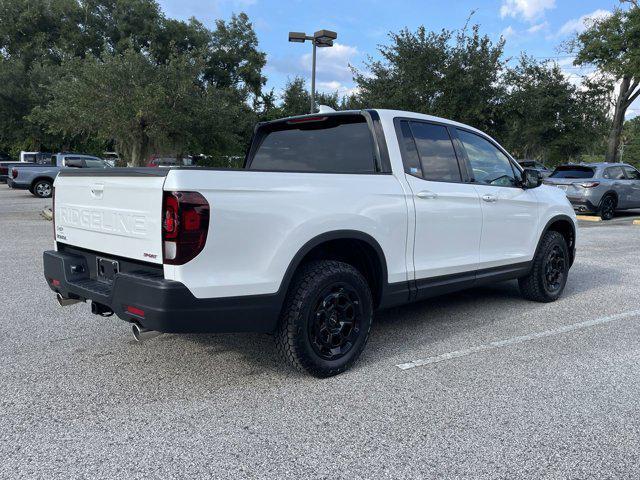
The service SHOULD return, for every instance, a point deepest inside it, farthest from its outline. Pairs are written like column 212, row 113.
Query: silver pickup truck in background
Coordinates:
column 24, row 159
column 38, row 179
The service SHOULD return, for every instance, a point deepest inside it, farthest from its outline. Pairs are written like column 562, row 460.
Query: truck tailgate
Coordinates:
column 114, row 211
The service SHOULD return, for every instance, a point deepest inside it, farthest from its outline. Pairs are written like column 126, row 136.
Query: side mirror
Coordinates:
column 531, row 178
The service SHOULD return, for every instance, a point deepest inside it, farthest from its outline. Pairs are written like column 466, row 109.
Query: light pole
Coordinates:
column 322, row 38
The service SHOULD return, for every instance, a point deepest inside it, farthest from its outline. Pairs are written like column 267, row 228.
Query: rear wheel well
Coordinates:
column 564, row 228
column 356, row 252
column 611, row 193
column 39, row 179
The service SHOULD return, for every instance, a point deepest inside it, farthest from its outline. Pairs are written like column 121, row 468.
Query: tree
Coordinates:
column 631, row 139
column 233, row 59
column 144, row 106
column 450, row 74
column 296, row 99
column 547, row 117
column 613, row 46
column 88, row 73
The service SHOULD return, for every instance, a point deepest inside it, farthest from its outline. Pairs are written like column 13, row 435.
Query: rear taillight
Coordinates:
column 4, row 170
column 185, row 223
column 14, row 173
column 589, row 184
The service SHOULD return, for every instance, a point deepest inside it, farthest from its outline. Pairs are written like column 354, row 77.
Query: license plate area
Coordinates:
column 107, row 269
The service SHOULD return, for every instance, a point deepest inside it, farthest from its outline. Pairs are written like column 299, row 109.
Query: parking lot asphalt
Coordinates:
column 497, row 386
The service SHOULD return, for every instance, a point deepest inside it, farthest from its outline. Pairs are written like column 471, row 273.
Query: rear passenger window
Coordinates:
column 329, row 144
column 437, row 156
column 614, row 173
column 93, row 163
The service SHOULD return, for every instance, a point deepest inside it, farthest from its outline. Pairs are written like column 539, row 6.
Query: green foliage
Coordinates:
column 531, row 108
column 613, row 46
column 91, row 75
column 631, row 139
column 84, row 75
column 448, row 74
column 548, row 118
column 296, row 100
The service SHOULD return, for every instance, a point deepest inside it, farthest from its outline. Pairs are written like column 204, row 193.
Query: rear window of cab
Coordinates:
column 321, row 144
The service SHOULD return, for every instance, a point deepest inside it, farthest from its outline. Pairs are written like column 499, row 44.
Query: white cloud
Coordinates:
column 332, row 68
column 529, row 10
column 335, row 86
column 332, row 63
column 508, row 32
column 537, row 27
column 578, row 25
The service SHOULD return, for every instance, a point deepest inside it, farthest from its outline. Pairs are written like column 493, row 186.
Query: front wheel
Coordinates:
column 548, row 276
column 326, row 318
column 43, row 189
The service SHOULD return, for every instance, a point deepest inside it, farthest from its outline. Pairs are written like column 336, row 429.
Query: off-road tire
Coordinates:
column 294, row 338
column 535, row 285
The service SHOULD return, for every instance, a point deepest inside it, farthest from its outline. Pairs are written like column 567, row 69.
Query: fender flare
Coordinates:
column 551, row 221
column 328, row 236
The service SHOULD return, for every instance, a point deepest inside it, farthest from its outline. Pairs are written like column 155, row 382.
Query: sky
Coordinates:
column 536, row 27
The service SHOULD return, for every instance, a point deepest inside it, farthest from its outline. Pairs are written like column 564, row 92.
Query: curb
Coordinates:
column 588, row 218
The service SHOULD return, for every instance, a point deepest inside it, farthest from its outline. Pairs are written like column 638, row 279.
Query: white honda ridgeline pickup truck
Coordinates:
column 333, row 216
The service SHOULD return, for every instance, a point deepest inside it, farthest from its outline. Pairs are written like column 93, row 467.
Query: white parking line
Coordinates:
column 515, row 340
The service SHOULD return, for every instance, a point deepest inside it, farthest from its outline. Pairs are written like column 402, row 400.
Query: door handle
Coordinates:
column 426, row 194
column 490, row 198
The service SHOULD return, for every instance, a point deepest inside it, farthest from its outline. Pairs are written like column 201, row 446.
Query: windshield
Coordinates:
column 573, row 171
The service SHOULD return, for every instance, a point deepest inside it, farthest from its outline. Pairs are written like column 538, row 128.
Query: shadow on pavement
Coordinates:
column 408, row 327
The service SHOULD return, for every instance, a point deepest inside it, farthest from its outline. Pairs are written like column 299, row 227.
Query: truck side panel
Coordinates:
column 260, row 220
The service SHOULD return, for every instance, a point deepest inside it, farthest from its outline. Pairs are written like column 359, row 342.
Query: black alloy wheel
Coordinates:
column 335, row 323
column 555, row 268
column 607, row 207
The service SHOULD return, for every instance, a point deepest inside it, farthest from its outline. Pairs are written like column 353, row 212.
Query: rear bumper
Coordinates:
column 583, row 206
column 17, row 186
column 167, row 305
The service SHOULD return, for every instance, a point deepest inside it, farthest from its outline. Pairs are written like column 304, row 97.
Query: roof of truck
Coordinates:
column 387, row 114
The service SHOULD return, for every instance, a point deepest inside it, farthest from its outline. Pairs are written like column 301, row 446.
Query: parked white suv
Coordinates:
column 335, row 215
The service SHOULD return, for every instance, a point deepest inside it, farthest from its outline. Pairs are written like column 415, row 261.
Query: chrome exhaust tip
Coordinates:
column 64, row 301
column 141, row 333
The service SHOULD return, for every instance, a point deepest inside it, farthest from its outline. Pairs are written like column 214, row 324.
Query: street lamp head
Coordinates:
column 324, row 36
column 298, row 37
column 325, row 43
